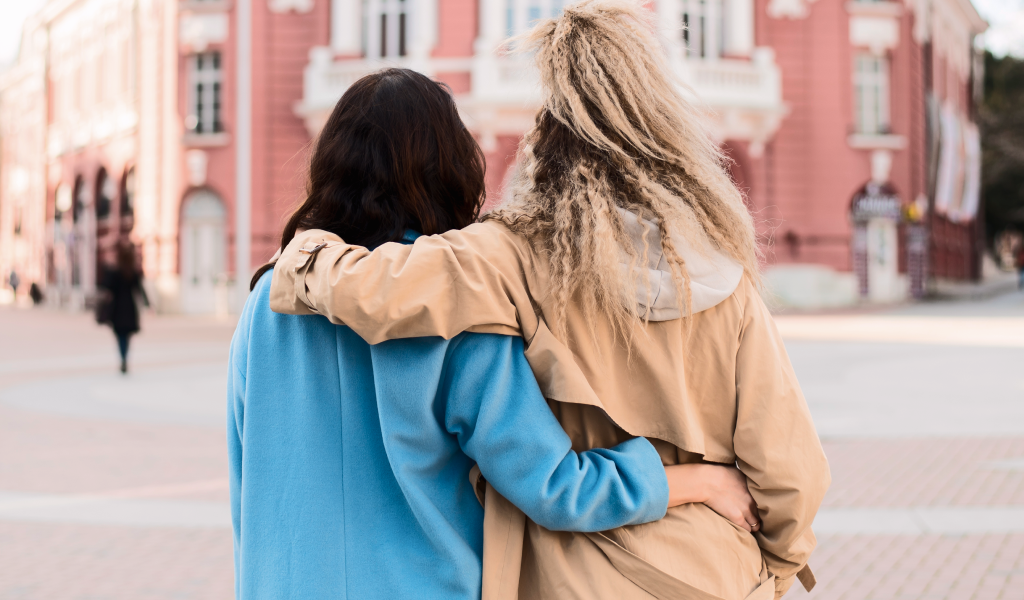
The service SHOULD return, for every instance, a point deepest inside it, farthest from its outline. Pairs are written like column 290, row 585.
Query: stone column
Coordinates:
column 739, row 27
column 347, row 27
column 423, row 18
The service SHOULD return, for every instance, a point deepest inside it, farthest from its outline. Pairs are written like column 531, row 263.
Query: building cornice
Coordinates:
column 205, row 140
column 978, row 25
column 876, row 141
column 207, row 6
column 874, row 9
column 55, row 8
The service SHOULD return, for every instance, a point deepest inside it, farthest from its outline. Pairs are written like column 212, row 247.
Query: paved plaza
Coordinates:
column 115, row 487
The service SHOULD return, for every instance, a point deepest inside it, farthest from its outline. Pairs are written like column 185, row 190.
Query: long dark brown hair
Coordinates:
column 394, row 155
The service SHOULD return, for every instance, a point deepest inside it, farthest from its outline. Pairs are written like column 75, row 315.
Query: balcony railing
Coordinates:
column 732, row 83
column 505, row 81
column 326, row 79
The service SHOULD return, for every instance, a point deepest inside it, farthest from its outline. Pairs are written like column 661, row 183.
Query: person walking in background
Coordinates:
column 120, row 309
column 15, row 281
column 1020, row 267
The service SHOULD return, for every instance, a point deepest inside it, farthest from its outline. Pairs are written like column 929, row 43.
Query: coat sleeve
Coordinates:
column 501, row 420
column 776, row 445
column 441, row 285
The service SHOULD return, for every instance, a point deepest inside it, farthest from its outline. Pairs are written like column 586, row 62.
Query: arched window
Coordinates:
column 63, row 201
column 81, row 199
column 83, row 247
column 127, row 207
column 105, row 191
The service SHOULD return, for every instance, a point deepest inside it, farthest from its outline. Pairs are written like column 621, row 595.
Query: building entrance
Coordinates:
column 203, row 254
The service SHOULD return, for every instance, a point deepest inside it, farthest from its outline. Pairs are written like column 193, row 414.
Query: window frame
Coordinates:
column 386, row 28
column 872, row 89
column 205, row 93
column 704, row 30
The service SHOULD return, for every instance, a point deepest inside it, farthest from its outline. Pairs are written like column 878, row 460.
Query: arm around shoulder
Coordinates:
column 440, row 285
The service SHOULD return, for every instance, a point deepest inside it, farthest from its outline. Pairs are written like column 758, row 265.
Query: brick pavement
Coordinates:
column 917, row 567
column 53, row 452
column 84, row 562
column 47, row 449
column 48, row 453
column 921, row 473
column 926, row 472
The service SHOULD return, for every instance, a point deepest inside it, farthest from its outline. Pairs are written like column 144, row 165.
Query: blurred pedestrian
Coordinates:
column 15, row 281
column 36, row 294
column 1020, row 267
column 119, row 308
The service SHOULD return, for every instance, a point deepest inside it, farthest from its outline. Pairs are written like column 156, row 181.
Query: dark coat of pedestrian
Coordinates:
column 1020, row 267
column 120, row 309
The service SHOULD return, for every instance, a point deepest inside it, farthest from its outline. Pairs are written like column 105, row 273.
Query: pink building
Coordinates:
column 123, row 117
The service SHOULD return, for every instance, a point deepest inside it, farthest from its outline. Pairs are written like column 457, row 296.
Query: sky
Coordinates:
column 1006, row 17
column 1006, row 26
column 12, row 14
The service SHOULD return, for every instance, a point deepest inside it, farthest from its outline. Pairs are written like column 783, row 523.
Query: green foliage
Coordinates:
column 1001, row 119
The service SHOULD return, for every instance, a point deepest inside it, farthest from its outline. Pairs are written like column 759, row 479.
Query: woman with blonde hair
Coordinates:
column 627, row 261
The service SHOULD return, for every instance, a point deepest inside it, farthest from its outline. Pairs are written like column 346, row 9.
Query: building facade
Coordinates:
column 121, row 119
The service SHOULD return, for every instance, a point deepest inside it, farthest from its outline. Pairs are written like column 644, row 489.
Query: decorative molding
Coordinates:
column 283, row 6
column 789, row 9
column 881, row 165
column 876, row 141
column 205, row 6
column 196, row 31
column 196, row 162
column 205, row 140
column 877, row 33
column 875, row 9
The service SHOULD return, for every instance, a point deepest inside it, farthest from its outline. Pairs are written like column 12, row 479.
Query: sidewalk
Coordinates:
column 115, row 487
column 921, row 415
column 995, row 283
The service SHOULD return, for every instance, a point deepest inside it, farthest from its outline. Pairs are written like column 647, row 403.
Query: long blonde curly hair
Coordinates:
column 615, row 132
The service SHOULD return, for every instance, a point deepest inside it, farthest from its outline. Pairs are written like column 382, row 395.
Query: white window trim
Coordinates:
column 871, row 89
column 389, row 14
column 520, row 15
column 704, row 34
column 209, row 77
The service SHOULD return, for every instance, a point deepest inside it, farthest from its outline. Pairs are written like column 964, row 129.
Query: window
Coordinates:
column 387, row 28
column 871, row 93
column 703, row 28
column 521, row 15
column 104, row 195
column 205, row 90
column 128, row 194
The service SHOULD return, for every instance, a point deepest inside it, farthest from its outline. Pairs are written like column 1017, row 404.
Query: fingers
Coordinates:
column 740, row 520
column 750, row 522
column 751, row 518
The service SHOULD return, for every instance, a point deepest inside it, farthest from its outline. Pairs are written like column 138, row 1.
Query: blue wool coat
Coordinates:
column 349, row 462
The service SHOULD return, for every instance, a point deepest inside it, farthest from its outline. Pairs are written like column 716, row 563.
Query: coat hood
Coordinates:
column 714, row 276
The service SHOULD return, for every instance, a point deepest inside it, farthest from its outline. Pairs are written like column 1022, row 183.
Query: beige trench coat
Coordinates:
column 726, row 393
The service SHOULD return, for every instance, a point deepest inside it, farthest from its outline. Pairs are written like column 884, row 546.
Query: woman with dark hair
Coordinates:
column 350, row 463
column 119, row 305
